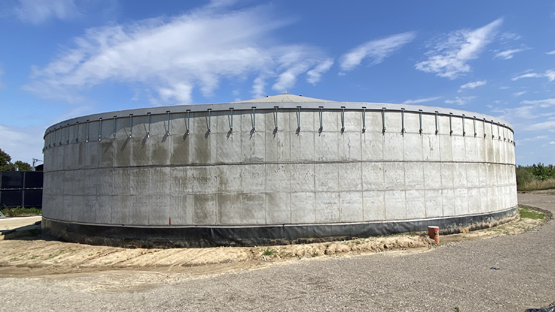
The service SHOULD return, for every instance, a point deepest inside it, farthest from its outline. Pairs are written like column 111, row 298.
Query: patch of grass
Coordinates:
column 20, row 212
column 526, row 213
column 269, row 252
column 457, row 309
column 314, row 255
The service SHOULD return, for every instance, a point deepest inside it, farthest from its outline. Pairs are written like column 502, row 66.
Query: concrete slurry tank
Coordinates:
column 276, row 170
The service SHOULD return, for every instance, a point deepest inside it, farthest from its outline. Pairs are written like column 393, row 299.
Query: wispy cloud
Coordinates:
column 315, row 74
column 508, row 54
column 38, row 11
column 552, row 143
column 473, row 84
column 417, row 101
column 520, row 93
column 541, row 126
column 550, row 52
column 376, row 50
column 549, row 74
column 541, row 103
column 449, row 56
column 22, row 143
column 537, row 138
column 460, row 100
column 173, row 57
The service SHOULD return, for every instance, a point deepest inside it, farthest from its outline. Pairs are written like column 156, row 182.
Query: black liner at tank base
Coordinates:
column 176, row 236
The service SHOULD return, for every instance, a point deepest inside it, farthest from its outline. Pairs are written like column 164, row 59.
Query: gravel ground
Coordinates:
column 453, row 275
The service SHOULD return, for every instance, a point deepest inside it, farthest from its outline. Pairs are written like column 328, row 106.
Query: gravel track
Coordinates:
column 452, row 275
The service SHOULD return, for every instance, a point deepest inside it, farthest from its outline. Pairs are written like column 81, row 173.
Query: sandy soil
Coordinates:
column 32, row 257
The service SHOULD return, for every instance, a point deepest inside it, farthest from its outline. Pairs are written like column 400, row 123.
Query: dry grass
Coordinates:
column 537, row 185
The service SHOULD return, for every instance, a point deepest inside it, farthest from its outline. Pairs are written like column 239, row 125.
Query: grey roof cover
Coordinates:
column 285, row 98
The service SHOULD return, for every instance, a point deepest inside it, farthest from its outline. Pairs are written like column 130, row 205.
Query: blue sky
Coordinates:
column 62, row 58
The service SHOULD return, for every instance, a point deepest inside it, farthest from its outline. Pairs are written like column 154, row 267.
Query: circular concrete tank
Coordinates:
column 281, row 169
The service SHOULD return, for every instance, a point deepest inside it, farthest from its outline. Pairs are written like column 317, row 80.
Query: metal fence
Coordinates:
column 21, row 189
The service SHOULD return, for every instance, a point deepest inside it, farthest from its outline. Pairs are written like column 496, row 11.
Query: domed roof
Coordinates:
column 285, row 98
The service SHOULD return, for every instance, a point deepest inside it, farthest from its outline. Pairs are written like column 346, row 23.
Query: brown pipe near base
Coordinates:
column 433, row 232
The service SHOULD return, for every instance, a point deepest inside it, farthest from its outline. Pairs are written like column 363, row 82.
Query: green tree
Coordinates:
column 6, row 165
column 23, row 166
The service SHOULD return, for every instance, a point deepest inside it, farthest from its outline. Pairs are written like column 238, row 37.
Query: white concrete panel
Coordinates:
column 350, row 177
column 448, row 202
column 326, row 177
column 302, row 177
column 327, row 207
column 303, row 208
column 278, row 208
column 373, row 176
column 278, row 177
column 350, row 146
column 434, row 203
column 432, row 175
column 253, row 208
column 414, row 175
column 253, row 178
column 412, row 147
column 158, row 213
column 372, row 146
column 416, row 204
column 395, row 207
column 351, row 207
column 394, row 175
column 373, row 205
column 326, row 146
column 459, row 171
column 461, row 201
column 393, row 146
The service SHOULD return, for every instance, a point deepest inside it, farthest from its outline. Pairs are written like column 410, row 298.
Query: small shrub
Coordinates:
column 20, row 212
column 269, row 252
column 526, row 213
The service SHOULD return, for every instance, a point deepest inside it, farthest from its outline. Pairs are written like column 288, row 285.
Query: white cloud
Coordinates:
column 517, row 113
column 315, row 74
column 506, row 36
column 417, row 101
column 520, row 93
column 552, row 143
column 38, row 11
column 450, row 56
column 174, row 56
column 377, row 50
column 508, row 54
column 541, row 126
column 550, row 52
column 462, row 100
column 537, row 138
column 541, row 103
column 22, row 143
column 549, row 74
column 473, row 84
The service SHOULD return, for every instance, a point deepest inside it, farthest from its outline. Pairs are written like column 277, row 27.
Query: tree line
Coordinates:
column 7, row 165
column 537, row 176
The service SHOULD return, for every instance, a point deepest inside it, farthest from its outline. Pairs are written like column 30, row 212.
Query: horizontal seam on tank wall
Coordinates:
column 284, row 225
column 285, row 163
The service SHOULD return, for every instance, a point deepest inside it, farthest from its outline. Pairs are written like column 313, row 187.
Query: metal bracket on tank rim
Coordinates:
column 320, row 115
column 188, row 120
column 383, row 120
column 492, row 135
column 115, row 124
column 402, row 121
column 474, row 121
column 209, row 119
column 342, row 119
column 298, row 120
column 484, row 125
column 169, row 122
column 130, row 125
column 253, row 119
column 231, row 120
column 464, row 131
column 149, row 120
column 276, row 119
column 450, row 123
column 363, row 119
column 437, row 129
column 99, row 130
column 87, row 131
column 420, row 120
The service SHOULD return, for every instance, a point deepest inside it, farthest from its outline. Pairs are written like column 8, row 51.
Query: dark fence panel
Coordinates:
column 21, row 189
